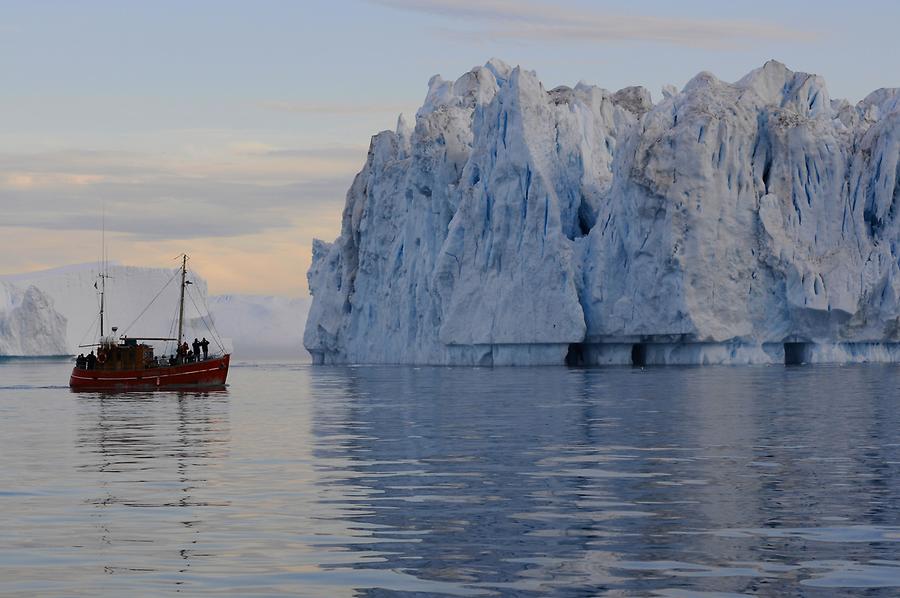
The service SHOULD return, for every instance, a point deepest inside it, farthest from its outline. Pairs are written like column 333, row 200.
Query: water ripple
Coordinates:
column 679, row 482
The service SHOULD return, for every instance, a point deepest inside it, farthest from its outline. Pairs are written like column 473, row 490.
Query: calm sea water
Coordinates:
column 455, row 481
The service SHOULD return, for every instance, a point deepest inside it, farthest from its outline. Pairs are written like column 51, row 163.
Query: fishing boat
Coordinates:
column 129, row 363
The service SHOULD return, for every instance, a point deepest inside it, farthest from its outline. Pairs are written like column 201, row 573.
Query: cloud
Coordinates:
column 256, row 148
column 332, row 108
column 271, row 262
column 77, row 162
column 551, row 22
column 355, row 153
column 247, row 209
column 171, row 207
column 171, row 197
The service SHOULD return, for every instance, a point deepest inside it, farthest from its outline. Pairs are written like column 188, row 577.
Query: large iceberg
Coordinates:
column 747, row 222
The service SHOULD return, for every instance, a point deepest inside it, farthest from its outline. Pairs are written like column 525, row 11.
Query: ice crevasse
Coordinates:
column 747, row 222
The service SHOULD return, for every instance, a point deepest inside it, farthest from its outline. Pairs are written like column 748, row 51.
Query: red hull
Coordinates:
column 211, row 372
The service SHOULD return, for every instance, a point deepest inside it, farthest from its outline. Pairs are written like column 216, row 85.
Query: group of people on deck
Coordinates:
column 186, row 354
column 88, row 362
column 192, row 352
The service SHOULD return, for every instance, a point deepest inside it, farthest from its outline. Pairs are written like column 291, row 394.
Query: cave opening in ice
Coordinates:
column 796, row 353
column 639, row 354
column 575, row 356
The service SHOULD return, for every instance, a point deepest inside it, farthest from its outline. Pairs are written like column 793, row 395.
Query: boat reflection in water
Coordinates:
column 154, row 456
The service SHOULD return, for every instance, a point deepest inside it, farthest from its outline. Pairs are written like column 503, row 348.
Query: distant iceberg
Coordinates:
column 129, row 290
column 52, row 312
column 262, row 326
column 747, row 222
column 29, row 324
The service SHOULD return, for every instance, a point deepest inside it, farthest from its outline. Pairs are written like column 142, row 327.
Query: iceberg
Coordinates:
column 261, row 326
column 745, row 222
column 29, row 325
column 59, row 311
column 129, row 290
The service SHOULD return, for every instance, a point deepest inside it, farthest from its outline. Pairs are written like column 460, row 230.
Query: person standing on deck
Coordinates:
column 91, row 360
column 204, row 344
column 196, row 347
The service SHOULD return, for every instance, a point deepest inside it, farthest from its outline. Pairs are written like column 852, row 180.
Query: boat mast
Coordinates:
column 102, row 301
column 103, row 270
column 181, row 299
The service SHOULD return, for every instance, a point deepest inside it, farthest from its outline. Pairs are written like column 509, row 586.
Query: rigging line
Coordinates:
column 209, row 327
column 127, row 328
column 174, row 321
column 167, row 346
column 207, row 311
column 172, row 328
column 212, row 324
column 205, row 299
column 89, row 330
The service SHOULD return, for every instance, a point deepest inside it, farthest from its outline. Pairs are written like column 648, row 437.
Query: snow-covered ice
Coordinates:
column 29, row 325
column 516, row 225
column 261, row 326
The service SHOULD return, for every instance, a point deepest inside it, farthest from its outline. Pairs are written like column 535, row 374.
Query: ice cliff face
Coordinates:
column 518, row 225
column 29, row 325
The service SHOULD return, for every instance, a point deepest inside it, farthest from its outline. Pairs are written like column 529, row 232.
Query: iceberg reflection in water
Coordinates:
column 457, row 481
column 550, row 480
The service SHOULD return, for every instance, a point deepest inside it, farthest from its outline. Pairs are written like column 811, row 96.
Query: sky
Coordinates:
column 232, row 130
